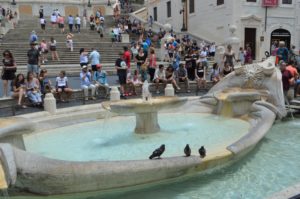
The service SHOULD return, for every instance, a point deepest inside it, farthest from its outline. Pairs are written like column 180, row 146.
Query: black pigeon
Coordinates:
column 158, row 152
column 187, row 151
column 202, row 152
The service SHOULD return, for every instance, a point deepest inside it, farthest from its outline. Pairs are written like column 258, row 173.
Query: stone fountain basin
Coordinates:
column 41, row 175
column 141, row 106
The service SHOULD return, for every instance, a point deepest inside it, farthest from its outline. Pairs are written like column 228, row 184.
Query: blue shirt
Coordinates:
column 71, row 20
column 100, row 76
column 87, row 80
column 95, row 57
column 33, row 38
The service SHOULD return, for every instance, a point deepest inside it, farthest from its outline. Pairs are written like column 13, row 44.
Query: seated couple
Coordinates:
column 99, row 80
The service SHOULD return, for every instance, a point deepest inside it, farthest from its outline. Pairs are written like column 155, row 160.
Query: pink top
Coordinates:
column 60, row 20
column 152, row 61
column 43, row 45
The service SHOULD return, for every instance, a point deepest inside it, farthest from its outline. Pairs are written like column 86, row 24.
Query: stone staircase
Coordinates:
column 17, row 40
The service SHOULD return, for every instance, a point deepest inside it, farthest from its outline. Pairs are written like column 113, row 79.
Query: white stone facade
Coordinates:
column 31, row 7
column 211, row 22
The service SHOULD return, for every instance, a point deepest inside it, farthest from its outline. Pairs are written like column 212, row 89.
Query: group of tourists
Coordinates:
column 35, row 84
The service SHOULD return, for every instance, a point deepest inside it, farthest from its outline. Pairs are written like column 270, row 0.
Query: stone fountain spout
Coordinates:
column 146, row 95
column 247, row 85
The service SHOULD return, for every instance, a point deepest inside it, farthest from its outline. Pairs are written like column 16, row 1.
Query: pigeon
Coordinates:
column 158, row 152
column 187, row 151
column 202, row 152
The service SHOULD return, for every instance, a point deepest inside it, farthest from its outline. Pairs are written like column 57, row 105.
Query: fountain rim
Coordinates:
column 178, row 166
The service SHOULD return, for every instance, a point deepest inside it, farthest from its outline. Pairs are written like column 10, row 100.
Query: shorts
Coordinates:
column 43, row 26
column 122, row 79
column 53, row 22
column 61, row 87
column 82, row 64
column 61, row 25
column 160, row 81
column 52, row 48
column 94, row 68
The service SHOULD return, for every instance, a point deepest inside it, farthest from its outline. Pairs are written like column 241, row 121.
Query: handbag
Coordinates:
column 144, row 66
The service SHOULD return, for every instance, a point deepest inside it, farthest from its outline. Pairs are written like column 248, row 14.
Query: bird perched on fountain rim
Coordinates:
column 202, row 152
column 187, row 150
column 158, row 152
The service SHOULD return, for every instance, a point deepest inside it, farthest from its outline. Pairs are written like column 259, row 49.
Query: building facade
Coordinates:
column 29, row 8
column 256, row 24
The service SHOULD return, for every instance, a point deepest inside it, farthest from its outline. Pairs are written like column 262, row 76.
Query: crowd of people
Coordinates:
column 185, row 60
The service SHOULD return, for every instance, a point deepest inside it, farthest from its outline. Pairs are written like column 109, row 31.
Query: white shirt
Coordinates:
column 203, row 56
column 159, row 74
column 42, row 21
column 61, row 81
column 78, row 20
column 53, row 18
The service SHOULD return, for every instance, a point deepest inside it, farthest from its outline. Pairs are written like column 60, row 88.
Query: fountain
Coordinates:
column 250, row 98
column 145, row 109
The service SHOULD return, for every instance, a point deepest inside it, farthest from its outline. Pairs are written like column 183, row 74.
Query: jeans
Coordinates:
column 34, row 97
column 71, row 27
column 33, row 68
column 86, row 89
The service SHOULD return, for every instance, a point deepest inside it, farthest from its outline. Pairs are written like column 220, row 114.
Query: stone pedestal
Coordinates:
column 50, row 103
column 114, row 94
column 169, row 90
column 125, row 38
column 146, row 123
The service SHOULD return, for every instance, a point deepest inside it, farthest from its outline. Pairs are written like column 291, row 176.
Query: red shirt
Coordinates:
column 126, row 58
column 292, row 70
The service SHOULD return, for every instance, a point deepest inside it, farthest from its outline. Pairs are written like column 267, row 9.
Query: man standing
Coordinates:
column 77, row 23
column 86, row 83
column 127, row 57
column 282, row 52
column 33, row 59
column 71, row 22
column 94, row 59
column 121, row 68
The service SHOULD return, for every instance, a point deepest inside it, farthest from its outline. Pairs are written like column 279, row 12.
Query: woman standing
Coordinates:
column 152, row 64
column 19, row 89
column 142, row 63
column 44, row 50
column 52, row 45
column 248, row 55
column 33, row 90
column 229, row 55
column 70, row 41
column 8, row 71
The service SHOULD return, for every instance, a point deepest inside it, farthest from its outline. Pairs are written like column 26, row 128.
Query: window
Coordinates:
column 251, row 0
column 169, row 9
column 192, row 6
column 286, row 1
column 155, row 13
column 220, row 2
